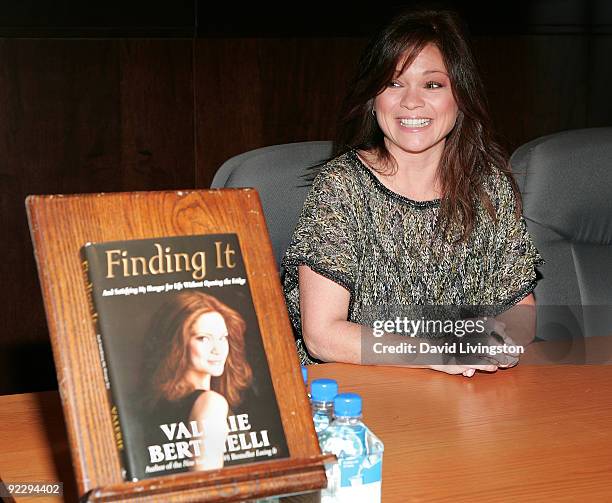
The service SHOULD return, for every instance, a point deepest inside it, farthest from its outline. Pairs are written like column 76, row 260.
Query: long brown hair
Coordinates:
column 470, row 152
column 166, row 354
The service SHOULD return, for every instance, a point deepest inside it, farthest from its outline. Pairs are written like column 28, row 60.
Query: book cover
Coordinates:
column 181, row 351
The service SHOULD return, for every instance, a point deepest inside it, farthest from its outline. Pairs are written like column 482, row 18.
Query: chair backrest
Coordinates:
column 566, row 183
column 279, row 173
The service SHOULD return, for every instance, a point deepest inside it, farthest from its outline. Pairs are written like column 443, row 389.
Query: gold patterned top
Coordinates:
column 385, row 250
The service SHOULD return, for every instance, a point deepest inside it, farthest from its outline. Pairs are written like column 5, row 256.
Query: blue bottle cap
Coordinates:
column 323, row 390
column 347, row 405
column 304, row 374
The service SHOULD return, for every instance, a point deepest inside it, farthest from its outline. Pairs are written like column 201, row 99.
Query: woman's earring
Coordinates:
column 373, row 113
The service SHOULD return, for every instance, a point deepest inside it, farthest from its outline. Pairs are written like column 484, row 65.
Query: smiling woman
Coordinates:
column 418, row 207
column 195, row 369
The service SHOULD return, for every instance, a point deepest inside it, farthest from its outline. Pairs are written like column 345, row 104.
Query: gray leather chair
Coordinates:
column 566, row 183
column 279, row 173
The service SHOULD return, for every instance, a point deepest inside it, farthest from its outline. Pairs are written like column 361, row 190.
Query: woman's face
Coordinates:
column 208, row 344
column 417, row 109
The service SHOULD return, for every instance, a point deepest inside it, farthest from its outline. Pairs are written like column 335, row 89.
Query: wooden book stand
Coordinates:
column 60, row 226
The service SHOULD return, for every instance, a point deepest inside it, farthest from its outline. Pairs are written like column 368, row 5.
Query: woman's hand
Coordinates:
column 466, row 370
column 494, row 335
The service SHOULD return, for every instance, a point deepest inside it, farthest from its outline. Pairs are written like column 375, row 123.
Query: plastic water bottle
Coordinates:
column 323, row 392
column 357, row 477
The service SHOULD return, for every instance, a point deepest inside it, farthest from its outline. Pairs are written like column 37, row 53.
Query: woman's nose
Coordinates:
column 412, row 98
column 216, row 347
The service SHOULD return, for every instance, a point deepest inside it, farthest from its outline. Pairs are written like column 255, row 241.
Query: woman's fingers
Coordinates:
column 484, row 368
column 466, row 370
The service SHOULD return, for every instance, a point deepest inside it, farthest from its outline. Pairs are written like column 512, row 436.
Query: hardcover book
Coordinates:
column 182, row 355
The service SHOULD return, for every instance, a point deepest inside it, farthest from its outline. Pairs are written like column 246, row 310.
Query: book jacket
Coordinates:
column 182, row 355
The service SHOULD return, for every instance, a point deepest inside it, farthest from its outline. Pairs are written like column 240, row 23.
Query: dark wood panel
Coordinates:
column 536, row 85
column 186, row 18
column 509, row 17
column 57, row 135
column 600, row 80
column 80, row 116
column 157, row 119
column 98, row 18
column 306, row 19
column 252, row 93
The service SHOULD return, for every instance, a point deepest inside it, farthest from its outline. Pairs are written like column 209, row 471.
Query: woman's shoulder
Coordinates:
column 339, row 171
column 499, row 186
column 209, row 402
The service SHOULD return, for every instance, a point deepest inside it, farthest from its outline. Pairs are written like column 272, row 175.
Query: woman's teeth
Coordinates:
column 415, row 122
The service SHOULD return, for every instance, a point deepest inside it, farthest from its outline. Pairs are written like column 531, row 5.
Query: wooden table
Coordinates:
column 532, row 433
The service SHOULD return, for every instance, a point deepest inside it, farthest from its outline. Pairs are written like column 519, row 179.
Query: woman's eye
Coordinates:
column 433, row 85
column 393, row 83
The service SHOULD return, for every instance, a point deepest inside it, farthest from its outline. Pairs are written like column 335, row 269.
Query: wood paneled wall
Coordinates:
column 118, row 114
column 256, row 92
column 138, row 114
column 80, row 116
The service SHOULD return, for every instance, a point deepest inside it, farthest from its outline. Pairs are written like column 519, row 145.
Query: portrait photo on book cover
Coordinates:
column 182, row 355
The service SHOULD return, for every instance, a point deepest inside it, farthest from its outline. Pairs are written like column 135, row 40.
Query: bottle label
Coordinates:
column 358, row 474
column 344, row 441
column 321, row 422
column 354, row 480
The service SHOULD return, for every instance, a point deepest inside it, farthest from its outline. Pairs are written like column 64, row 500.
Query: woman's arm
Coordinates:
column 324, row 311
column 210, row 411
column 327, row 334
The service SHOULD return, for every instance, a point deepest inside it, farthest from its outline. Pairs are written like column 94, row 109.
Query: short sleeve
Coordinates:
column 324, row 239
column 516, row 257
